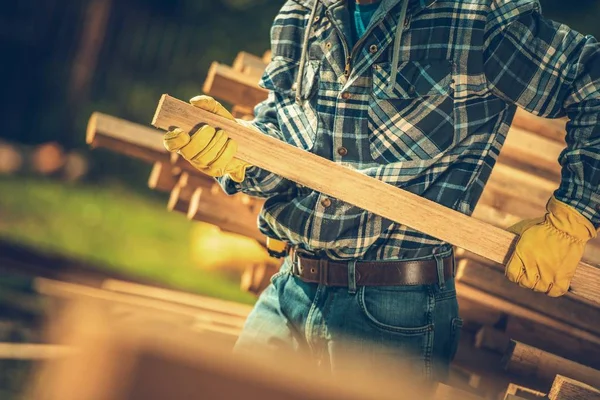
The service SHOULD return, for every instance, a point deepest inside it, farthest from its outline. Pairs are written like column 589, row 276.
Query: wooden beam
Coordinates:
column 226, row 84
column 493, row 196
column 564, row 388
column 553, row 129
column 187, row 299
column 510, row 308
column 130, row 139
column 488, row 368
column 33, row 351
column 212, row 208
column 249, row 64
column 476, row 314
column 491, row 339
column 445, row 392
column 353, row 187
column 515, row 392
column 565, row 312
column 521, row 184
column 163, row 177
column 555, row 341
column 267, row 56
column 532, row 152
column 529, row 361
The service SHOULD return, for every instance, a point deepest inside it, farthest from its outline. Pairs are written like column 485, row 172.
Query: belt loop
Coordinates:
column 352, row 277
column 439, row 261
column 323, row 272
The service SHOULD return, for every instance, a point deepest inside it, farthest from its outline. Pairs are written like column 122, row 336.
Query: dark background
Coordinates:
column 63, row 59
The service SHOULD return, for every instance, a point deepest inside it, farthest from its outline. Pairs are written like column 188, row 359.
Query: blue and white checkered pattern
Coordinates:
column 436, row 130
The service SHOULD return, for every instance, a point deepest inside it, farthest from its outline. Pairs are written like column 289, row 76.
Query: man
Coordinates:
column 419, row 94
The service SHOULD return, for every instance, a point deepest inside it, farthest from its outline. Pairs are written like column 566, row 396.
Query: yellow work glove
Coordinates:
column 210, row 150
column 549, row 249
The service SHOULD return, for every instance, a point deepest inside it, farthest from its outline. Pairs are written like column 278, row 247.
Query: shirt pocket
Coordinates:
column 411, row 118
column 298, row 119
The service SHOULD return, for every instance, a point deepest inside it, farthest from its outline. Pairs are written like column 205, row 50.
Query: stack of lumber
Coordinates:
column 495, row 311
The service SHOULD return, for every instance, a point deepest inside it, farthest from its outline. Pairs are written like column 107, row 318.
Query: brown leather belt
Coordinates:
column 376, row 273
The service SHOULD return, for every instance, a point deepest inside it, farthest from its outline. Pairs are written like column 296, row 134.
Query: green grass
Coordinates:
column 110, row 226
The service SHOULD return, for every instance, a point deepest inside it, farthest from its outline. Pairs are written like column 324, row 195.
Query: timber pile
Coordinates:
column 495, row 311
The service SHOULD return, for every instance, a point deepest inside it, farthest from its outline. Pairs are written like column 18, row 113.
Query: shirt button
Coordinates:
column 373, row 48
column 411, row 90
column 317, row 18
column 328, row 45
column 326, row 202
column 342, row 151
column 346, row 95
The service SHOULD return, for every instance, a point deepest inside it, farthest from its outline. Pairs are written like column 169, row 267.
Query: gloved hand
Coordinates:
column 549, row 249
column 210, row 150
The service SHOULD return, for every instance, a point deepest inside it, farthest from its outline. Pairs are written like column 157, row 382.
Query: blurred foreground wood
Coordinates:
column 118, row 361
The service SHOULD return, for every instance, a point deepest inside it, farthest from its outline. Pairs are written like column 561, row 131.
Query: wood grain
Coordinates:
column 526, row 360
column 564, row 388
column 362, row 191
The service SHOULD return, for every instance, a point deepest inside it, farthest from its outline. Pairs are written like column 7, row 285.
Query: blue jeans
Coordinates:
column 401, row 329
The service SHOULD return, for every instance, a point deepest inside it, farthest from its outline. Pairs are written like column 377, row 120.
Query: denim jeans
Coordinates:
column 412, row 329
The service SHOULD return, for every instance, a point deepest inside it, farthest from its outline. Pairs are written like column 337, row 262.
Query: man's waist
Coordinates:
column 322, row 270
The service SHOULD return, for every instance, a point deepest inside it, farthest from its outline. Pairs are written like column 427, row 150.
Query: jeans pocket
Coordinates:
column 402, row 311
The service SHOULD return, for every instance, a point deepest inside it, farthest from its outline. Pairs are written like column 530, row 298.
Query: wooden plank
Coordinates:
column 267, row 56
column 244, row 113
column 521, row 208
column 163, row 177
column 257, row 277
column 564, row 388
column 73, row 291
column 188, row 299
column 553, row 129
column 510, row 308
column 33, row 351
column 516, row 392
column 209, row 207
column 362, row 191
column 249, row 64
column 555, row 341
column 529, row 150
column 529, row 361
column 226, row 84
column 486, row 366
column 491, row 339
column 130, row 139
column 445, row 392
column 564, row 312
column 476, row 314
column 522, row 184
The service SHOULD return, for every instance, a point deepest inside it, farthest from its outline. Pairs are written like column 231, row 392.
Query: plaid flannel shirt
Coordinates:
column 433, row 123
